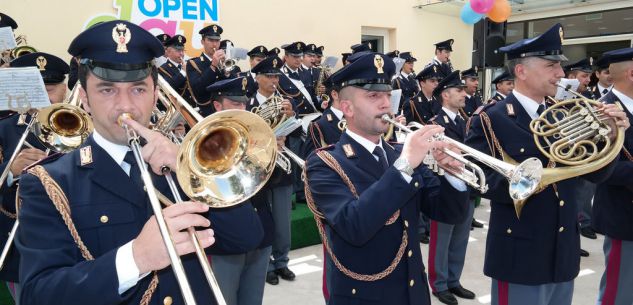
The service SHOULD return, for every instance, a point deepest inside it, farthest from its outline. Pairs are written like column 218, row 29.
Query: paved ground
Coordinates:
column 307, row 264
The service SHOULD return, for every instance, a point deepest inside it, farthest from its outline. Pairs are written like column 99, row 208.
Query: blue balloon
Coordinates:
column 469, row 16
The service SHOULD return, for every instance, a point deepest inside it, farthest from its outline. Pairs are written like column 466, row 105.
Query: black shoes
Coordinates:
column 462, row 292
column 588, row 232
column 446, row 297
column 477, row 224
column 584, row 253
column 272, row 278
column 285, row 274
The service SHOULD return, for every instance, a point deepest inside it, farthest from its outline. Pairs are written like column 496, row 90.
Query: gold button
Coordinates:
column 410, row 253
column 562, row 203
column 561, row 229
column 104, row 219
column 406, row 224
column 167, row 300
column 509, row 231
column 411, row 282
column 522, row 150
column 416, row 184
column 353, row 291
column 255, row 209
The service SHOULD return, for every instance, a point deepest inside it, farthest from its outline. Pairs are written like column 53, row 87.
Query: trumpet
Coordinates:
column 59, row 127
column 22, row 48
column 523, row 178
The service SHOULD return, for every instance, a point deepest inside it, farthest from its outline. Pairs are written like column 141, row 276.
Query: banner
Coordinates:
column 184, row 17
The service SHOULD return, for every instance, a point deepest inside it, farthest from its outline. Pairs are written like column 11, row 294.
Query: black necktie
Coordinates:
column 605, row 91
column 135, row 172
column 460, row 123
column 294, row 75
column 179, row 66
column 382, row 159
column 541, row 109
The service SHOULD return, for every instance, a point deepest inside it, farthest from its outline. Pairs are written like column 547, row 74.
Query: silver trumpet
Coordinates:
column 523, row 178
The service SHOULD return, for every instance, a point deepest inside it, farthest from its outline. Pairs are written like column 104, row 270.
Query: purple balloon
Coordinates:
column 469, row 16
column 481, row 6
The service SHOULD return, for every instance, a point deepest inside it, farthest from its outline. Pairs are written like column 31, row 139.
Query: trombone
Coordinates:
column 523, row 178
column 60, row 127
column 224, row 160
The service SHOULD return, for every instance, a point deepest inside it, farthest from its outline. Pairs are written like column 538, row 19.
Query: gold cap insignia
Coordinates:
column 450, row 42
column 435, row 69
column 312, row 47
column 397, row 52
column 244, row 83
column 476, row 69
column 510, row 109
column 215, row 28
column 349, row 151
column 591, row 61
column 561, row 34
column 379, row 64
column 180, row 39
column 122, row 36
column 275, row 63
column 298, row 45
column 329, row 117
column 261, row 49
column 85, row 155
column 41, row 63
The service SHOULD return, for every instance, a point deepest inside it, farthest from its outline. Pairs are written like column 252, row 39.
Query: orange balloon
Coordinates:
column 500, row 11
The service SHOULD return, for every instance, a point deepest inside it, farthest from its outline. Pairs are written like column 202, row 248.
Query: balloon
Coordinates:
column 500, row 11
column 469, row 16
column 481, row 6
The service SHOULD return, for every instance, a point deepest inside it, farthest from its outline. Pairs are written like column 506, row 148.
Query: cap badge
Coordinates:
column 476, row 69
column 312, row 47
column 397, row 53
column 180, row 39
column 560, row 33
column 378, row 63
column 275, row 63
column 369, row 44
column 450, row 42
column 591, row 61
column 298, row 45
column 244, row 83
column 215, row 28
column 41, row 63
column 122, row 36
column 261, row 49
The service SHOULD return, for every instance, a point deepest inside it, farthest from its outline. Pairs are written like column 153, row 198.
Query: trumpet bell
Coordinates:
column 226, row 158
column 62, row 127
column 524, row 179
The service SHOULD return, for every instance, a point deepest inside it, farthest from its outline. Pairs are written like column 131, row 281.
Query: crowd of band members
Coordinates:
column 251, row 242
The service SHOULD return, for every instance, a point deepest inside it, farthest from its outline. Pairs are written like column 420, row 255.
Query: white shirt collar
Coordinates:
column 337, row 113
column 600, row 88
column 369, row 145
column 404, row 75
column 502, row 95
column 437, row 61
column 450, row 114
column 173, row 62
column 116, row 151
column 530, row 105
column 207, row 56
column 260, row 97
column 468, row 95
column 305, row 67
column 626, row 100
column 290, row 70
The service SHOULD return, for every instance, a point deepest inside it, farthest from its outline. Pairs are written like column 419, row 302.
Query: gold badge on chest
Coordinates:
column 349, row 150
column 510, row 109
column 85, row 155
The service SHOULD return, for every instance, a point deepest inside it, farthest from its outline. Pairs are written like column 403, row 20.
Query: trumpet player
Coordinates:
column 173, row 70
column 111, row 251
column 205, row 70
column 532, row 260
column 443, row 50
column 449, row 237
column 53, row 70
column 612, row 203
column 279, row 187
column 368, row 194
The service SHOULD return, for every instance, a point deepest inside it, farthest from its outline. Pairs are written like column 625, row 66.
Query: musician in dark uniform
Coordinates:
column 344, row 57
column 291, row 83
column 318, row 59
column 532, row 260
column 423, row 106
column 470, row 77
column 504, row 84
column 327, row 129
column 405, row 79
column 581, row 71
column 309, row 72
column 172, row 70
column 447, row 248
column 204, row 70
column 110, row 251
column 255, row 55
column 603, row 80
column 366, row 193
column 442, row 59
column 612, row 211
column 53, row 70
column 241, row 275
column 279, row 187
column 361, row 47
column 160, row 60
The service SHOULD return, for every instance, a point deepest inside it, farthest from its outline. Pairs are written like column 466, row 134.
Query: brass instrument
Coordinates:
column 523, row 178
column 224, row 160
column 324, row 73
column 60, row 127
column 574, row 133
column 22, row 49
column 271, row 111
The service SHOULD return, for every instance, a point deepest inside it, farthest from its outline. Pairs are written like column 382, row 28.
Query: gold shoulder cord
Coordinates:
column 319, row 218
column 165, row 71
column 313, row 126
column 57, row 196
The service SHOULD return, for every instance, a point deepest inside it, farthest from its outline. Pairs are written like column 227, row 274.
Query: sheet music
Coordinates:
column 7, row 40
column 395, row 100
column 562, row 94
column 22, row 89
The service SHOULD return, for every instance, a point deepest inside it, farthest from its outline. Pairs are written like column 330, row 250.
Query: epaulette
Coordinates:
column 483, row 107
column 48, row 159
column 7, row 114
column 193, row 64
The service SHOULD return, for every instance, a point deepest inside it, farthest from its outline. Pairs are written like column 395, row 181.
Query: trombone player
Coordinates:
column 367, row 195
column 532, row 260
column 110, row 251
column 53, row 70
